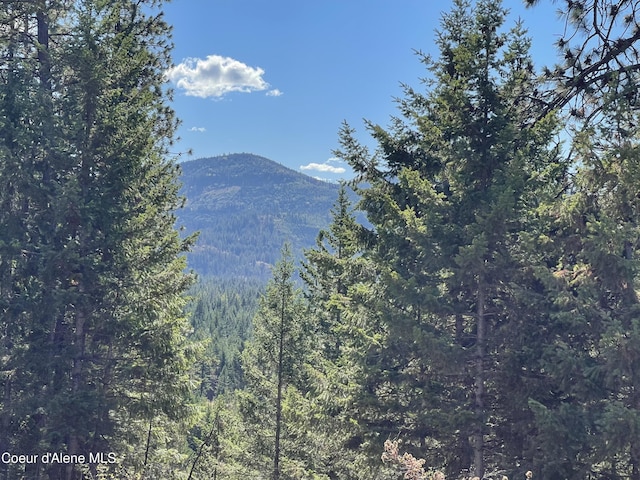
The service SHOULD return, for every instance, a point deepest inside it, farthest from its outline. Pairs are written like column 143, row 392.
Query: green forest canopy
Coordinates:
column 485, row 322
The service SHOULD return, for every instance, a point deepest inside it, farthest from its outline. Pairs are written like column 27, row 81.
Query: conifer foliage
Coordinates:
column 450, row 191
column 483, row 324
column 91, row 299
column 599, row 57
column 274, row 365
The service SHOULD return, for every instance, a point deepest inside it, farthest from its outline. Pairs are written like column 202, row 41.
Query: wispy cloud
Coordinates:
column 215, row 76
column 198, row 129
column 324, row 167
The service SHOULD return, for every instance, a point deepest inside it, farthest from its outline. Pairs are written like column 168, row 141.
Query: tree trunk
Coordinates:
column 276, row 453
column 478, row 436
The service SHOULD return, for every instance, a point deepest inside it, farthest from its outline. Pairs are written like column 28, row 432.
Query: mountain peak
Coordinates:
column 243, row 166
column 246, row 207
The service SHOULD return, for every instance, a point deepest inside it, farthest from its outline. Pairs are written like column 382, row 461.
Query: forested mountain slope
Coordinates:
column 245, row 207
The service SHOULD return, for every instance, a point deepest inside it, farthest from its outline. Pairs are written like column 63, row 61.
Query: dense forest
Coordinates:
column 483, row 323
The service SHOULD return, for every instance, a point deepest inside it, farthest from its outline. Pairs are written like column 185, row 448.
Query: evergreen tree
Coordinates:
column 451, row 189
column 599, row 58
column 593, row 356
column 220, row 442
column 338, row 279
column 274, row 364
column 328, row 272
column 92, row 325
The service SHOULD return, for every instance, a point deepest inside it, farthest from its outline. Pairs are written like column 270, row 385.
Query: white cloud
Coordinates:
column 274, row 93
column 323, row 167
column 198, row 129
column 216, row 76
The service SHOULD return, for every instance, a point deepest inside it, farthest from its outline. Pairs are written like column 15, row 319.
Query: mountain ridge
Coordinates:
column 245, row 207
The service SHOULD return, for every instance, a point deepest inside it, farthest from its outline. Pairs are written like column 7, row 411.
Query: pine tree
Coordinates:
column 593, row 356
column 451, row 189
column 599, row 59
column 337, row 278
column 93, row 324
column 328, row 271
column 274, row 364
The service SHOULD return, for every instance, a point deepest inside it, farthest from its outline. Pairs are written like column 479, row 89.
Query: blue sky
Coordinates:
column 277, row 78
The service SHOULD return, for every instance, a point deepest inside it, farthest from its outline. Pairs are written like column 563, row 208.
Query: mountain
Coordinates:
column 245, row 207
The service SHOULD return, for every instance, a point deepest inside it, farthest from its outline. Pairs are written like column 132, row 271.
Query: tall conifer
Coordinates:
column 274, row 365
column 452, row 184
column 338, row 281
column 593, row 358
column 92, row 323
